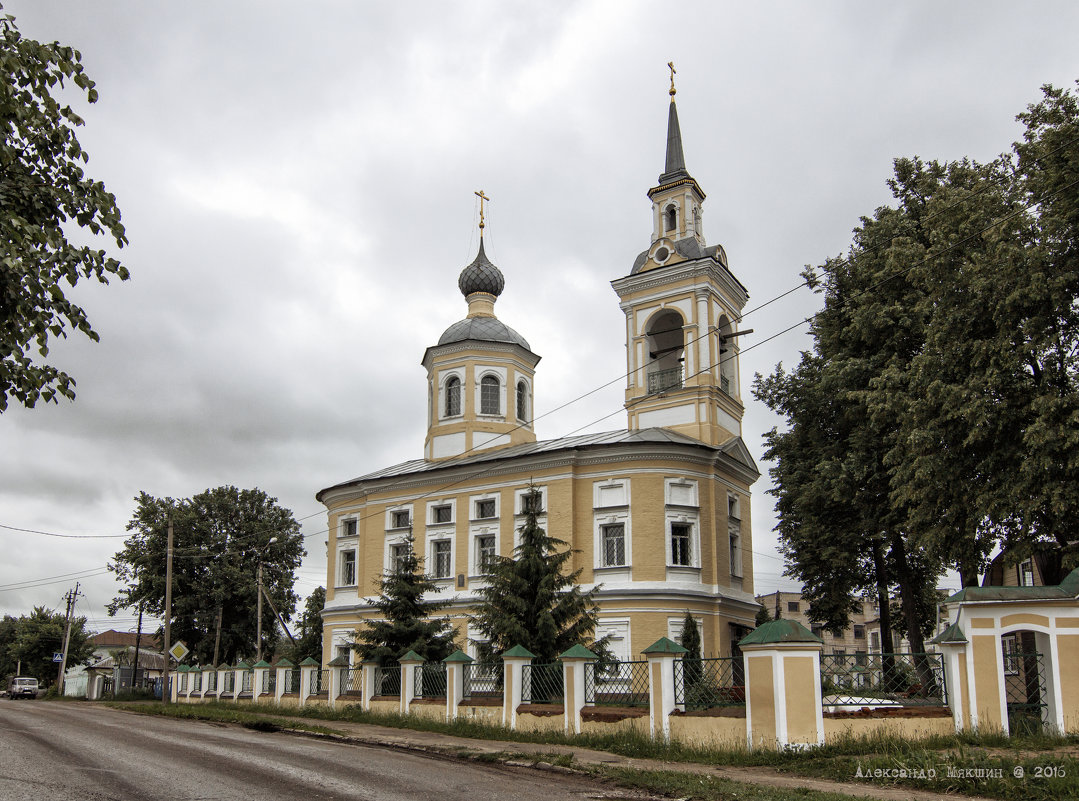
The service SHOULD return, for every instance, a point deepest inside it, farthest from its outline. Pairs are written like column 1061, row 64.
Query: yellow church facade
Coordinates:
column 657, row 514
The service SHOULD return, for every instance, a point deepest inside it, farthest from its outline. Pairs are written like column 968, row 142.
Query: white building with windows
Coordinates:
column 657, row 514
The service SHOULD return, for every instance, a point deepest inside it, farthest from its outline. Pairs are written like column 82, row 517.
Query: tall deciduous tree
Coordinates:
column 309, row 641
column 533, row 600
column 408, row 619
column 33, row 639
column 220, row 537
column 44, row 194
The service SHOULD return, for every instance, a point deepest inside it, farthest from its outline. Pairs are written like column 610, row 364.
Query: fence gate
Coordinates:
column 1024, row 685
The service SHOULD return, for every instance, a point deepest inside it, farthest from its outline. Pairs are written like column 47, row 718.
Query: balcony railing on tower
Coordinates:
column 662, row 380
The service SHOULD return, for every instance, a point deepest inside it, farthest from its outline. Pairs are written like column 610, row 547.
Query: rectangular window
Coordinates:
column 348, row 568
column 859, row 631
column 399, row 557
column 400, row 519
column 1026, row 574
column 443, row 566
column 614, row 545
column 485, row 551
column 736, row 553
column 532, row 502
column 442, row 514
column 818, row 631
column 860, row 658
column 681, row 542
column 349, row 529
column 732, row 507
column 485, row 509
column 874, row 641
column 793, row 606
column 1009, row 644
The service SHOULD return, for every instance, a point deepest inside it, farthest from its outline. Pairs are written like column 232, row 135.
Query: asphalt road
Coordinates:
column 84, row 752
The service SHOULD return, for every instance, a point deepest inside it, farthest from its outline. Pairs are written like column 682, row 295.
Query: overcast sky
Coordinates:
column 297, row 184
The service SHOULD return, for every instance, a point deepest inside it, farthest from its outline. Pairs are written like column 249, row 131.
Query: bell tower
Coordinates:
column 682, row 305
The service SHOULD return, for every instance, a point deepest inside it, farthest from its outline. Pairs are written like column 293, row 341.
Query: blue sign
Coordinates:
column 58, row 657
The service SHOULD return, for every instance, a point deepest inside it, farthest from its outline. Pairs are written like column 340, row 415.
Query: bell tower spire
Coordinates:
column 682, row 306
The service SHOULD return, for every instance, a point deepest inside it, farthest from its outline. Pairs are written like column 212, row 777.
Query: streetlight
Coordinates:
column 258, row 623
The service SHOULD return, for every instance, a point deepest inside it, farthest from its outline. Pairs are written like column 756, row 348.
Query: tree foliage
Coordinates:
column 309, row 641
column 407, row 621
column 937, row 416
column 44, row 193
column 532, row 599
column 32, row 640
column 220, row 536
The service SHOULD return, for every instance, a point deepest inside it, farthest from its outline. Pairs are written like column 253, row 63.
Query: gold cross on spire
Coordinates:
column 670, row 64
column 482, row 198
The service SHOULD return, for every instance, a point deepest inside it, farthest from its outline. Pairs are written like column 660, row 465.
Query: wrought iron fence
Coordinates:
column 269, row 681
column 211, row 682
column 616, row 683
column 246, row 679
column 708, row 683
column 292, row 681
column 542, row 684
column 854, row 681
column 388, row 680
column 430, row 680
column 320, row 682
column 196, row 682
column 660, row 380
column 483, row 680
column 351, row 680
column 1024, row 688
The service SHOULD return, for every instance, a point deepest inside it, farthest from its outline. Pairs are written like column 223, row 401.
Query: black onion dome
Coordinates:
column 481, row 276
column 485, row 329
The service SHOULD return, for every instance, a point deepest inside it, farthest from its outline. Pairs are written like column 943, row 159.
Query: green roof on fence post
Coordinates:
column 519, row 652
column 242, row 666
column 664, row 646
column 338, row 661
column 284, row 662
column 577, row 652
column 459, row 656
column 777, row 631
column 411, row 656
column 262, row 663
column 953, row 635
column 308, row 662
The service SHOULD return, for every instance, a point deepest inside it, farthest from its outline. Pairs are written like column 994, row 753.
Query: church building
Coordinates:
column 657, row 514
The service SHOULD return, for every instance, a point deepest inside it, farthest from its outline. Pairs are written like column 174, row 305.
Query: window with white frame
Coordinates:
column 442, row 513
column 522, row 401
column 490, row 395
column 485, row 552
column 442, row 558
column 399, row 557
column 613, row 543
column 452, row 405
column 733, row 507
column 1026, row 573
column 525, row 500
column 682, row 544
column 349, row 528
column 734, row 535
column 681, row 492
column 399, row 518
column 485, row 509
column 1009, row 644
column 348, row 568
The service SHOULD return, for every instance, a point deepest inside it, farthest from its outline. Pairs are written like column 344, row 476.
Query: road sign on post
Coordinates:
column 58, row 656
column 179, row 650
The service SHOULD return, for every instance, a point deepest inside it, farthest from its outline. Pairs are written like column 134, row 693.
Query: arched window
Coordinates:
column 453, row 397
column 728, row 357
column 697, row 221
column 666, row 350
column 522, row 401
column 670, row 216
column 489, row 395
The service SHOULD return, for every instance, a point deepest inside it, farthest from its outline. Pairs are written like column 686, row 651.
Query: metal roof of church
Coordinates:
column 734, row 448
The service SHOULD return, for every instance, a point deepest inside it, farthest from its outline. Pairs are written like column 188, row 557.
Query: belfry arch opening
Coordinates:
column 670, row 218
column 666, row 351
column 728, row 357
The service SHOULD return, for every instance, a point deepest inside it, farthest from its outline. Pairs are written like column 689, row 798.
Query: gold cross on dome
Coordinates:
column 670, row 64
column 482, row 198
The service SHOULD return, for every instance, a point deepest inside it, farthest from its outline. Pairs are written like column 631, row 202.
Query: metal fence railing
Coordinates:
column 351, row 681
column 882, row 680
column 269, row 681
column 542, row 684
column 292, row 681
column 429, row 680
column 211, row 682
column 660, row 380
column 1024, row 690
column 320, row 682
column 616, row 683
column 196, row 682
column 483, row 680
column 246, row 680
column 388, row 680
column 228, row 683
column 708, row 683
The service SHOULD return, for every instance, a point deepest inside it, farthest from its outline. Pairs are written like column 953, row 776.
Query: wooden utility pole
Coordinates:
column 71, row 596
column 138, row 642
column 166, row 695
column 217, row 639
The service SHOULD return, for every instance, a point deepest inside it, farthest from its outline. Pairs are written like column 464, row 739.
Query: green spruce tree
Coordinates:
column 406, row 622
column 533, row 601
column 691, row 641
